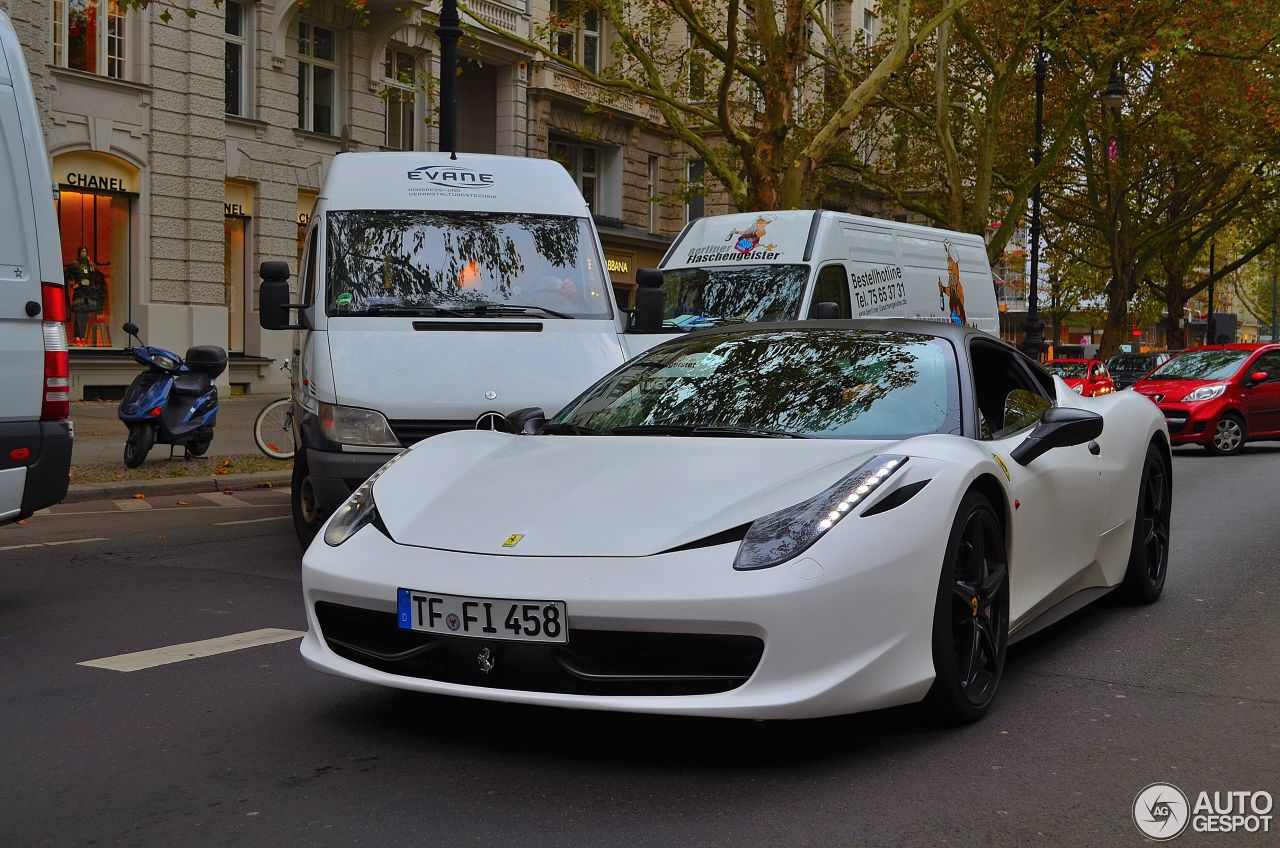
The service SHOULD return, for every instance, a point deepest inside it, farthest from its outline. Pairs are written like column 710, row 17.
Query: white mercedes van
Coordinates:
column 35, row 435
column 437, row 293
column 784, row 266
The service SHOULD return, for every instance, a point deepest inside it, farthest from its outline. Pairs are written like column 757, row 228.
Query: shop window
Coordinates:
column 236, row 56
column 400, row 89
column 317, row 78
column 306, row 200
column 235, row 270
column 95, row 257
column 575, row 34
column 89, row 35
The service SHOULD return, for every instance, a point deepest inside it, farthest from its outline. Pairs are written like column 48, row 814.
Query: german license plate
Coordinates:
column 483, row 618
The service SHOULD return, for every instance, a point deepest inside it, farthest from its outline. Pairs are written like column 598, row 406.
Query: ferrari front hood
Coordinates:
column 628, row 496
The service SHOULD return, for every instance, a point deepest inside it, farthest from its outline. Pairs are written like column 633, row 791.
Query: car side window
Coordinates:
column 1008, row 397
column 1269, row 362
column 832, row 286
column 308, row 270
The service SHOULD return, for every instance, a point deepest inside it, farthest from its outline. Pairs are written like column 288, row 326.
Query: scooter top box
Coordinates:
column 207, row 359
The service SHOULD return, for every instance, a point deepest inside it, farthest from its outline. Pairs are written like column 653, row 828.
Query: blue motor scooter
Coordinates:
column 173, row 402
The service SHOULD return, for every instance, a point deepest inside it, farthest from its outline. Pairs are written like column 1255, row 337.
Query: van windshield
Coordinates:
column 705, row 297
column 386, row 262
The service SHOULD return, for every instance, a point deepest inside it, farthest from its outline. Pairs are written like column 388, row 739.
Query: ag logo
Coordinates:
column 1161, row 811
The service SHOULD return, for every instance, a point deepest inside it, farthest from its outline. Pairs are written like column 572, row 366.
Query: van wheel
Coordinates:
column 307, row 515
column 138, row 445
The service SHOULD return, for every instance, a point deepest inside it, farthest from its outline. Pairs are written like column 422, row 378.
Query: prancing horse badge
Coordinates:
column 513, row 540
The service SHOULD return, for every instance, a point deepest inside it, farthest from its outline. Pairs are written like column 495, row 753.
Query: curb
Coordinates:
column 174, row 486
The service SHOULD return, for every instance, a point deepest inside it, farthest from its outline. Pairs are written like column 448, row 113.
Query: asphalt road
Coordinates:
column 250, row 748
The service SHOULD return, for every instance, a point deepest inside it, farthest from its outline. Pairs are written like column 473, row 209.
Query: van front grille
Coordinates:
column 409, row 431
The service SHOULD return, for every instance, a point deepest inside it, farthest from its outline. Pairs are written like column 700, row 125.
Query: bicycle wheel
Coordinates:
column 273, row 429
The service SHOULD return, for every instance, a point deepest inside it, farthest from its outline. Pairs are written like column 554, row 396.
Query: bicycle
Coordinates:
column 273, row 428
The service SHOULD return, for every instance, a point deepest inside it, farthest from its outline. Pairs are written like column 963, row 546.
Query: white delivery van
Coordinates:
column 437, row 293
column 779, row 266
column 35, row 435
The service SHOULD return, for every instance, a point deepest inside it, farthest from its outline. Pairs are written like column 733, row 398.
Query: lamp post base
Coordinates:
column 1033, row 341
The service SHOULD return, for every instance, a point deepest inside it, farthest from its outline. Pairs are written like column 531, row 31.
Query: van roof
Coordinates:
column 474, row 182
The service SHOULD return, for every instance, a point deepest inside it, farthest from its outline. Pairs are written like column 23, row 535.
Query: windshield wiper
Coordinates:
column 564, row 428
column 702, row 430
column 402, row 309
column 499, row 308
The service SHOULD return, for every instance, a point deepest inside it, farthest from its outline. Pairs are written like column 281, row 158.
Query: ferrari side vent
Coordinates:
column 724, row 537
column 896, row 498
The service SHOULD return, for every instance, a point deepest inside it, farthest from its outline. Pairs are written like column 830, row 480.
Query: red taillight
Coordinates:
column 56, row 403
column 155, row 413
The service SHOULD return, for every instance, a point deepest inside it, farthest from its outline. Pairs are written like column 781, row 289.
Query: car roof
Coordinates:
column 1233, row 346
column 936, row 329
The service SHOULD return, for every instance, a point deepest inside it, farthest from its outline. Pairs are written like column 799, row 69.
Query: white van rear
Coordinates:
column 778, row 266
column 35, row 435
column 438, row 293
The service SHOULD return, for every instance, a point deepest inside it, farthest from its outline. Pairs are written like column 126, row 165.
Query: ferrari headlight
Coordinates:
column 1206, row 393
column 357, row 511
column 348, row 425
column 789, row 532
column 1078, row 389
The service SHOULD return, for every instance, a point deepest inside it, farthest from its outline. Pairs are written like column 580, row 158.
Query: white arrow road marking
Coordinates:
column 54, row 544
column 194, row 650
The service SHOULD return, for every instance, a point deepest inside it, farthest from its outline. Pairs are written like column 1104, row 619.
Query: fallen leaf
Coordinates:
column 22, row 521
column 228, row 491
column 96, row 433
column 266, row 485
column 182, row 503
column 138, row 496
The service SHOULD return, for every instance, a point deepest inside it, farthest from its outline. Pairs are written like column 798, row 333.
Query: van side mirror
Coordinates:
column 1059, row 427
column 650, row 301
column 526, row 421
column 273, row 297
column 825, row 311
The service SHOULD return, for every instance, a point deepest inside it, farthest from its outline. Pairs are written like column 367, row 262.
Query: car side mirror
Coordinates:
column 825, row 311
column 1059, row 427
column 526, row 421
column 1257, row 377
column 650, row 302
column 273, row 297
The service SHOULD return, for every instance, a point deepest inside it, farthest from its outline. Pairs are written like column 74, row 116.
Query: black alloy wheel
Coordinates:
column 1228, row 435
column 1149, row 556
column 138, row 444
column 971, row 616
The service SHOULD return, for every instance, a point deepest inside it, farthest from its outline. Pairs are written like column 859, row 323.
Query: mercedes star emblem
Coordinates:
column 491, row 395
column 495, row 421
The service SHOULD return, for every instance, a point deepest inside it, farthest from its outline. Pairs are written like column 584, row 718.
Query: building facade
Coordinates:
column 187, row 149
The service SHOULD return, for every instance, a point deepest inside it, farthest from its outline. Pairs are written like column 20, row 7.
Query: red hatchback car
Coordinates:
column 1086, row 377
column 1219, row 396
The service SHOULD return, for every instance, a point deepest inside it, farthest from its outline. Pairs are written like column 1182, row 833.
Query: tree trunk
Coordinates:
column 1116, row 329
column 1175, row 301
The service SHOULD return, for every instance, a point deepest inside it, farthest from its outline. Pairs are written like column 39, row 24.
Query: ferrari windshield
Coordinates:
column 1068, row 370
column 705, row 297
column 857, row 384
column 1206, row 364
column 383, row 262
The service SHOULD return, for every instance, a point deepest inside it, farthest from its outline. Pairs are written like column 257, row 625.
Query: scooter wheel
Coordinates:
column 200, row 444
column 138, row 445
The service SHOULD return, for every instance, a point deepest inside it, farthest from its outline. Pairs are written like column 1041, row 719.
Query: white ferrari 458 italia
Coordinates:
column 767, row 521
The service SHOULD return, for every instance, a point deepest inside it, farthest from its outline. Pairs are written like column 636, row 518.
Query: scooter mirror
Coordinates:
column 131, row 328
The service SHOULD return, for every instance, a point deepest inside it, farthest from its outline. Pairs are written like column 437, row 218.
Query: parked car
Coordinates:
column 1219, row 396
column 1128, row 368
column 35, row 435
column 823, row 517
column 1086, row 377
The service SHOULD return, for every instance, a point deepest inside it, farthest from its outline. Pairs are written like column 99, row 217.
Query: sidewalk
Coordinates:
column 233, row 460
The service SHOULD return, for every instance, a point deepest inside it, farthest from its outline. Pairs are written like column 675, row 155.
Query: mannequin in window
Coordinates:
column 87, row 290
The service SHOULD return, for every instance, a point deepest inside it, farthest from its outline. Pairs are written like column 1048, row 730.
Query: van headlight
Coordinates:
column 357, row 511
column 349, row 425
column 1205, row 393
column 789, row 532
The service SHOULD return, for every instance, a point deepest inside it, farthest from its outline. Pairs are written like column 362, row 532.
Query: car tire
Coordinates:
column 971, row 615
column 307, row 516
column 138, row 444
column 1149, row 554
column 1228, row 435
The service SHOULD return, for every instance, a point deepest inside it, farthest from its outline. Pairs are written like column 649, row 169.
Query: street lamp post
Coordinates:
column 449, row 32
column 1209, row 336
column 1033, row 342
